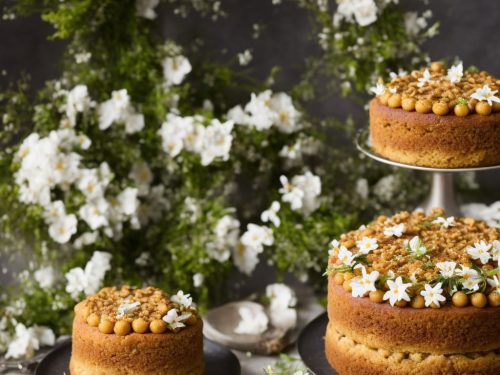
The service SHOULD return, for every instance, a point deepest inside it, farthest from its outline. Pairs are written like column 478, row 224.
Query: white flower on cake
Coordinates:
column 416, row 247
column 334, row 247
column 495, row 250
column 396, row 230
column 271, row 214
column 433, row 295
column 364, row 284
column 422, row 81
column 345, row 257
column 253, row 321
column 28, row 340
column 175, row 69
column 393, row 90
column 366, row 244
column 445, row 222
column 486, row 94
column 126, row 308
column 455, row 73
column 397, row 291
column 446, row 269
column 182, row 299
column 470, row 278
column 480, row 251
column 378, row 89
column 146, row 8
column 174, row 320
column 495, row 283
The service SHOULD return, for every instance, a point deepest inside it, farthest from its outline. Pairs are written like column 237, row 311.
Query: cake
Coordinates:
column 438, row 118
column 415, row 294
column 137, row 332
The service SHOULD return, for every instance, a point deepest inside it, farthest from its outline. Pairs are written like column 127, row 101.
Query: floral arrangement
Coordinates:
column 133, row 167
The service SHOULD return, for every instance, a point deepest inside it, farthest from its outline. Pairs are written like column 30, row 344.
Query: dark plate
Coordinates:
column 312, row 346
column 218, row 360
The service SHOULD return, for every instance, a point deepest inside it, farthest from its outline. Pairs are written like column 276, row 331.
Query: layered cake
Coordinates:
column 438, row 117
column 137, row 332
column 415, row 294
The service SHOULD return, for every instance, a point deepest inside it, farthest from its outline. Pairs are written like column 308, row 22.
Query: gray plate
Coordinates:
column 218, row 360
column 311, row 347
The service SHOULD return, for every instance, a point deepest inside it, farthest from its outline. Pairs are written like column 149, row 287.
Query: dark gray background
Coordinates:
column 469, row 30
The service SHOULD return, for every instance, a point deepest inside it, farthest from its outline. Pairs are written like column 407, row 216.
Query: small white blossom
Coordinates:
column 82, row 57
column 486, row 94
column 175, row 69
column 45, row 277
column 253, row 321
column 126, row 308
column 422, row 81
column 245, row 57
column 334, row 247
column 217, row 141
column 480, row 251
column 198, row 279
column 28, row 340
column 63, row 228
column 77, row 101
column 378, row 90
column 495, row 283
column 471, row 278
column 88, row 280
column 366, row 244
column 271, row 214
column 397, row 291
column 345, row 257
column 433, row 295
column 396, row 230
column 416, row 247
column 495, row 250
column 446, row 269
column 291, row 194
column 361, row 285
column 445, row 222
column 175, row 320
column 256, row 236
column 455, row 73
column 182, row 299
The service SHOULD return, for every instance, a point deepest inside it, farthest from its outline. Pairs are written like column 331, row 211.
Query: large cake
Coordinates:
column 131, row 331
column 438, row 117
column 415, row 294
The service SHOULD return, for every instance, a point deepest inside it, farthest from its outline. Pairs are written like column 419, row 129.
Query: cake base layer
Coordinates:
column 349, row 357
column 434, row 141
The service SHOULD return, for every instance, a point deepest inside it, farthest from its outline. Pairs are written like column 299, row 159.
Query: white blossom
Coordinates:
column 245, row 57
column 446, row 269
column 416, row 247
column 28, row 340
column 88, row 280
column 253, row 321
column 495, row 283
column 302, row 193
column 485, row 93
column 271, row 214
column 396, row 230
column 287, row 116
column 95, row 213
column 455, row 73
column 126, row 308
column 378, row 90
column 470, row 278
column 146, row 8
column 445, row 222
column 246, row 258
column 257, row 236
column 175, row 320
column 433, row 295
column 198, row 279
column 361, row 285
column 480, row 251
column 63, row 228
column 426, row 78
column 397, row 291
column 217, row 141
column 291, row 194
column 175, row 69
column 364, row 12
column 77, row 101
column 45, row 277
column 128, row 201
column 345, row 257
column 366, row 244
column 182, row 299
column 227, row 231
column 82, row 57
column 119, row 109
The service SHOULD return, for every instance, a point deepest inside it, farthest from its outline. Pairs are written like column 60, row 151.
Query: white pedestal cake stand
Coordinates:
column 442, row 192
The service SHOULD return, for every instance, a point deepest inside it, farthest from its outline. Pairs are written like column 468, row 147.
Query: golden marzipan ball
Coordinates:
column 483, row 108
column 338, row 278
column 384, row 98
column 408, row 104
column 494, row 299
column 440, row 108
column 158, row 326
column 122, row 328
column 348, row 275
column 418, row 302
column 460, row 299
column 461, row 110
column 106, row 326
column 93, row 320
column 191, row 321
column 377, row 296
column 437, row 66
column 394, row 101
column 472, row 104
column 478, row 300
column 401, row 303
column 140, row 325
column 423, row 106
column 347, row 286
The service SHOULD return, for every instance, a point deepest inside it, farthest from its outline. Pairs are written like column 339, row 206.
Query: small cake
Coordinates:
column 415, row 294
column 438, row 118
column 131, row 331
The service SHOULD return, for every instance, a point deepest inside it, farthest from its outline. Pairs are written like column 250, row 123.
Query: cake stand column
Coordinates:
column 442, row 194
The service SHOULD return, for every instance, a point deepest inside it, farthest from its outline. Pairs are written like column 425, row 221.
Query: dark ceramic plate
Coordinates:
column 218, row 360
column 312, row 346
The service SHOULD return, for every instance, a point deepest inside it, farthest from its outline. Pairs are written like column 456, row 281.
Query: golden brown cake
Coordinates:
column 130, row 331
column 415, row 294
column 438, row 118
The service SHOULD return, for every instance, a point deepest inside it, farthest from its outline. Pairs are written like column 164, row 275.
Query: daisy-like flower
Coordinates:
column 334, row 247
column 397, row 291
column 422, row 81
column 486, row 94
column 396, row 230
column 366, row 244
column 345, row 256
column 271, row 214
column 471, row 278
column 175, row 320
column 126, row 308
column 445, row 222
column 291, row 194
column 175, row 69
column 495, row 250
column 378, row 90
column 182, row 299
column 253, row 321
column 446, row 269
column 433, row 295
column 416, row 247
column 365, row 283
column 480, row 251
column 495, row 283
column 455, row 73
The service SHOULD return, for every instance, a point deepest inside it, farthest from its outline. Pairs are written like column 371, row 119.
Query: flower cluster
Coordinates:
column 282, row 302
column 89, row 279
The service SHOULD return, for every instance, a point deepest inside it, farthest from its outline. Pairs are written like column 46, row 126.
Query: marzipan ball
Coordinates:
column 483, row 108
column 158, row 326
column 423, row 106
column 122, row 328
column 418, row 302
column 472, row 104
column 384, row 98
column 347, row 286
column 394, row 101
column 478, row 300
column 440, row 108
column 338, row 278
column 93, row 320
column 408, row 104
column 401, row 303
column 437, row 66
column 348, row 275
column 162, row 308
column 377, row 296
column 461, row 110
column 191, row 321
column 140, row 325
column 494, row 299
column 106, row 326
column 460, row 299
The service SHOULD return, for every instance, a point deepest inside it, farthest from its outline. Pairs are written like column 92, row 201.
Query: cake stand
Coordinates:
column 442, row 193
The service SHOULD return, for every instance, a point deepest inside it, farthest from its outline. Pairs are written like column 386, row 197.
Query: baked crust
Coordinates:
column 434, row 141
column 171, row 353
